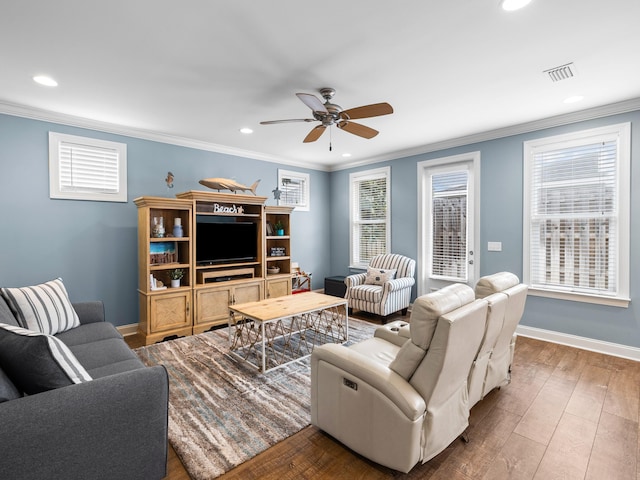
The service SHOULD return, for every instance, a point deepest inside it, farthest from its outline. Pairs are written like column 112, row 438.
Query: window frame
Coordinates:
column 621, row 133
column 354, row 222
column 305, row 178
column 55, row 164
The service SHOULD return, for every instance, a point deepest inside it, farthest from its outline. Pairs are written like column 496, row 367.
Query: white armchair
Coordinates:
column 398, row 405
column 385, row 288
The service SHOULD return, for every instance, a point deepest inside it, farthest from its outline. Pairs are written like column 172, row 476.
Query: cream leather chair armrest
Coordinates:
column 358, row 367
column 397, row 332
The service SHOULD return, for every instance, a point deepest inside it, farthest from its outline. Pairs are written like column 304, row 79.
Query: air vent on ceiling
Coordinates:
column 562, row 72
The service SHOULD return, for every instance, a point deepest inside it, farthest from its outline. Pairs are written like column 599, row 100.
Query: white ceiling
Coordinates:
column 196, row 71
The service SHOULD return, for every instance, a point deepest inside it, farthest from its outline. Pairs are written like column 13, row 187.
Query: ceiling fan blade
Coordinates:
column 314, row 134
column 357, row 129
column 312, row 102
column 292, row 120
column 367, row 111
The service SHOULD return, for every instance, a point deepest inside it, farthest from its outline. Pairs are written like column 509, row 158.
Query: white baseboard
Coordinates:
column 583, row 343
column 127, row 330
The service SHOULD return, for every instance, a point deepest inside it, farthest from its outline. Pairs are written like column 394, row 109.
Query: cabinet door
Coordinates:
column 248, row 292
column 278, row 287
column 212, row 304
column 169, row 311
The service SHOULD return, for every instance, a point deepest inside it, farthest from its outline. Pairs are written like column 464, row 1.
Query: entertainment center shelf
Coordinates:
column 161, row 254
column 230, row 252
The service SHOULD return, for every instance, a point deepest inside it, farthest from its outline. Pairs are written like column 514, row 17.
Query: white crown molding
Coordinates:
column 556, row 121
column 81, row 122
column 583, row 343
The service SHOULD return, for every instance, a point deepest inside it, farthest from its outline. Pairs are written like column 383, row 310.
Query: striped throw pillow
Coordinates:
column 44, row 308
column 36, row 362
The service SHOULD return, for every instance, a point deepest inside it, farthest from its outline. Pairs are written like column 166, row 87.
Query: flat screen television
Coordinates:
column 225, row 242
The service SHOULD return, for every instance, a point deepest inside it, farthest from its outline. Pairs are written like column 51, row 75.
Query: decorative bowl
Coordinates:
column 273, row 269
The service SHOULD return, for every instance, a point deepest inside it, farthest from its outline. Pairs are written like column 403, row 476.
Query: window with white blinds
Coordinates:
column 293, row 189
column 577, row 213
column 87, row 169
column 449, row 197
column 370, row 219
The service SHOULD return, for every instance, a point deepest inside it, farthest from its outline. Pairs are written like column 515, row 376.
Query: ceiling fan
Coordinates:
column 331, row 114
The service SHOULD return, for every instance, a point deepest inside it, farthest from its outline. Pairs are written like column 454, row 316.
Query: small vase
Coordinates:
column 175, row 283
column 158, row 227
column 177, row 228
column 280, row 232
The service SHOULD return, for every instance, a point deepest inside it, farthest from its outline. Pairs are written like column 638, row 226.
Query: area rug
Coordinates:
column 222, row 411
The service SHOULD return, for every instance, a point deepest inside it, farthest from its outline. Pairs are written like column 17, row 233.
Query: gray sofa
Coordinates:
column 112, row 427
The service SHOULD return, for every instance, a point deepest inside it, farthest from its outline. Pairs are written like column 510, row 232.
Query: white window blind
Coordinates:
column 449, row 195
column 370, row 226
column 578, row 225
column 86, row 169
column 294, row 189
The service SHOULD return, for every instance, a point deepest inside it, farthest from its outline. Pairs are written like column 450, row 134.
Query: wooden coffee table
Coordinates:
column 274, row 332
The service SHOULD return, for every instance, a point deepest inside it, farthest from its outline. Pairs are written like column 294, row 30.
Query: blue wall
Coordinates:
column 93, row 245
column 501, row 176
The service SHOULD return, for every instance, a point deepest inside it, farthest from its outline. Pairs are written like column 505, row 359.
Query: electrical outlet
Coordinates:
column 494, row 246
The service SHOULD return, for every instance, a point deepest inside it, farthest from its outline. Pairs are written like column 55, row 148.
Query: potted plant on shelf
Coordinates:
column 176, row 275
column 279, row 228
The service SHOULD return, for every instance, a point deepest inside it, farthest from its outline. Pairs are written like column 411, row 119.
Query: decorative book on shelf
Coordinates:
column 278, row 252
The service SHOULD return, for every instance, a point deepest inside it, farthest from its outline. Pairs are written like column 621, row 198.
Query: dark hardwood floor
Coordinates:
column 567, row 414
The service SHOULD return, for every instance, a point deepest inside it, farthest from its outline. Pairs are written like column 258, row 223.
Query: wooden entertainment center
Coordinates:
column 207, row 288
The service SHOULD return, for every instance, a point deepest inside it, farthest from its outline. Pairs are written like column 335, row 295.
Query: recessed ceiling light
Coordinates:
column 346, row 155
column 573, row 99
column 246, row 130
column 511, row 5
column 46, row 81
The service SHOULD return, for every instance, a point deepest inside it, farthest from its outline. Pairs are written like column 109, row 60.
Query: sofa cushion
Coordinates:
column 6, row 315
column 37, row 362
column 8, row 390
column 96, row 355
column 89, row 333
column 116, row 367
column 379, row 276
column 42, row 308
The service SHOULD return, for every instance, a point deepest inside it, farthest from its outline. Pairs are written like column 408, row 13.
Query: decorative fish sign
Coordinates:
column 228, row 184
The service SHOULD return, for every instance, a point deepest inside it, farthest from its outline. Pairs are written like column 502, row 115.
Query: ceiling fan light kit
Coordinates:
column 329, row 114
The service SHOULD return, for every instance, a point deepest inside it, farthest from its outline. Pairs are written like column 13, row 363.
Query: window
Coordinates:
column 576, row 229
column 449, row 225
column 87, row 169
column 294, row 189
column 370, row 221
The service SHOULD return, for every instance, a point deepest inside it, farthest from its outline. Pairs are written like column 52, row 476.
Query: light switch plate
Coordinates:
column 494, row 246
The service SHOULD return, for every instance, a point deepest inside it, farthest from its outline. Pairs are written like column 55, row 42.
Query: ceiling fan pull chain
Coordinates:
column 330, row 137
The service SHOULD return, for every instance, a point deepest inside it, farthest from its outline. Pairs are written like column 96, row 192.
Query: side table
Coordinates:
column 335, row 286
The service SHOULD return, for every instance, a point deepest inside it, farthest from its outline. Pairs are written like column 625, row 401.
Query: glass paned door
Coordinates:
column 447, row 238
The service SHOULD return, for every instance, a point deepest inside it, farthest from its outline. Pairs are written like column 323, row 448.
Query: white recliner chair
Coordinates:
column 491, row 368
column 494, row 288
column 398, row 405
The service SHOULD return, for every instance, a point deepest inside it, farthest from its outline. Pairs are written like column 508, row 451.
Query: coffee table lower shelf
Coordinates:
column 275, row 332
